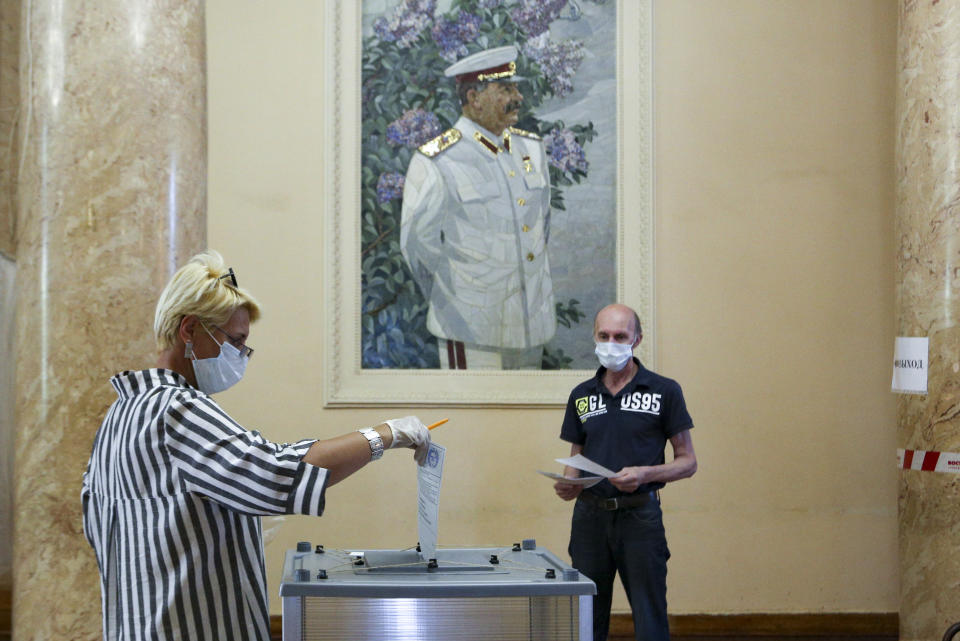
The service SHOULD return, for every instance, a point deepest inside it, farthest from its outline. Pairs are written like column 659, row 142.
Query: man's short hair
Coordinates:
column 204, row 288
column 464, row 87
column 637, row 329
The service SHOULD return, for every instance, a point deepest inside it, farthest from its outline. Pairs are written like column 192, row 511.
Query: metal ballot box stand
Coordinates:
column 521, row 592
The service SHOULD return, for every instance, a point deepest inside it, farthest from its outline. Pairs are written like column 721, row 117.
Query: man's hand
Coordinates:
column 629, row 479
column 567, row 491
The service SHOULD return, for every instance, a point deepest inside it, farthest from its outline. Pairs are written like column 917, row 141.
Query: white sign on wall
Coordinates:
column 910, row 363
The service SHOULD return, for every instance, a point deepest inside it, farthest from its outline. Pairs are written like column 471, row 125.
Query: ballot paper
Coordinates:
column 581, row 462
column 429, row 478
column 585, row 481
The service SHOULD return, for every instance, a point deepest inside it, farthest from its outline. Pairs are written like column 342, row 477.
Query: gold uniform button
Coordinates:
column 521, row 202
column 525, row 228
column 530, row 256
column 512, row 173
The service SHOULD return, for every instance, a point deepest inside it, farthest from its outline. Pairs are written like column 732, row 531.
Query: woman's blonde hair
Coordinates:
column 205, row 288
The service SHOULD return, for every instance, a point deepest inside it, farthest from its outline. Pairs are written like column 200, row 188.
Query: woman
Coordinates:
column 174, row 487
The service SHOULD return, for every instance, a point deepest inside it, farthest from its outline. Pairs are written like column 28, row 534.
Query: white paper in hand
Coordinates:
column 585, row 481
column 581, row 462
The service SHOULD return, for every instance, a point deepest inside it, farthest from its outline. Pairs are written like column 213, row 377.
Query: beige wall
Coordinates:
column 774, row 265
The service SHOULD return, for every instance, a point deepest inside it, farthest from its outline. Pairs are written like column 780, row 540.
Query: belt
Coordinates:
column 619, row 502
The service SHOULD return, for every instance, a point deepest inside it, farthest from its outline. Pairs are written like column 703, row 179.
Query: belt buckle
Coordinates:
column 611, row 504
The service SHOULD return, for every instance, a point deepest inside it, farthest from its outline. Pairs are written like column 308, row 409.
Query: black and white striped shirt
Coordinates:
column 171, row 503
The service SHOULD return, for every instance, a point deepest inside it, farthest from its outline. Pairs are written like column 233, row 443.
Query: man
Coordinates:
column 174, row 487
column 622, row 418
column 475, row 223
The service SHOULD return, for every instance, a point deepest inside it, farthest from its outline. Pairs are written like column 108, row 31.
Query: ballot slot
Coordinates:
column 409, row 562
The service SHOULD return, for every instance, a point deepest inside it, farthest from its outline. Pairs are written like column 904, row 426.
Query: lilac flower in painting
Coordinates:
column 535, row 16
column 559, row 61
column 565, row 152
column 413, row 128
column 409, row 19
column 390, row 186
column 452, row 37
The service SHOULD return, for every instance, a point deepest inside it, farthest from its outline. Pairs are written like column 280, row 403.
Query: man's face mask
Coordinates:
column 222, row 372
column 614, row 356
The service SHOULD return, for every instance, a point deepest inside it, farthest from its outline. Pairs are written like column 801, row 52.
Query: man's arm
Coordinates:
column 545, row 168
column 421, row 221
column 569, row 491
column 683, row 465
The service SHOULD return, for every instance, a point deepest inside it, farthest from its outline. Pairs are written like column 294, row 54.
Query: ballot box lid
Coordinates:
column 456, row 572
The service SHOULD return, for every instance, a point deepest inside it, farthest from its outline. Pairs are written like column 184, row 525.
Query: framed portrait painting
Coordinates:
column 460, row 216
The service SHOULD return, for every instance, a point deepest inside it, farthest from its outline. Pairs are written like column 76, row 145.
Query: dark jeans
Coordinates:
column 630, row 541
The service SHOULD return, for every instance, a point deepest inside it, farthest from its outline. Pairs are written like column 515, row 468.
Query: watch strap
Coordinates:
column 376, row 443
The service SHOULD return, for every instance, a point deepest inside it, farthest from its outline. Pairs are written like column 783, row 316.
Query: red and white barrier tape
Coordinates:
column 928, row 461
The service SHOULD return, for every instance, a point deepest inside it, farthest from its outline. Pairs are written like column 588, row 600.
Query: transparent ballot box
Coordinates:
column 519, row 592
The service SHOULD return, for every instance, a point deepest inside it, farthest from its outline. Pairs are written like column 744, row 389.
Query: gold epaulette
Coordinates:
column 433, row 147
column 526, row 134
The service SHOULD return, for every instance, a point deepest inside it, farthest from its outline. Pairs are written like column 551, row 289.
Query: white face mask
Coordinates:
column 614, row 356
column 220, row 373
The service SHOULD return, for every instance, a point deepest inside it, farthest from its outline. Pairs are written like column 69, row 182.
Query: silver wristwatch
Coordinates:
column 376, row 443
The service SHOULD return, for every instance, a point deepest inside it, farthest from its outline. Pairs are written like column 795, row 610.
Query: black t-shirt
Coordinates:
column 631, row 428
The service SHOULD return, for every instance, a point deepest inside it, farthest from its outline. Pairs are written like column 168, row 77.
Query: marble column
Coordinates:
column 928, row 304
column 9, row 96
column 112, row 196
column 9, row 108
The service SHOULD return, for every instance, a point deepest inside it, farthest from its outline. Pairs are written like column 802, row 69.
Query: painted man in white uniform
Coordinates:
column 475, row 224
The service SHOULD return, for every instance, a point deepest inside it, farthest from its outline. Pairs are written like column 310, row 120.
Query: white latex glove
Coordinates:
column 409, row 431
